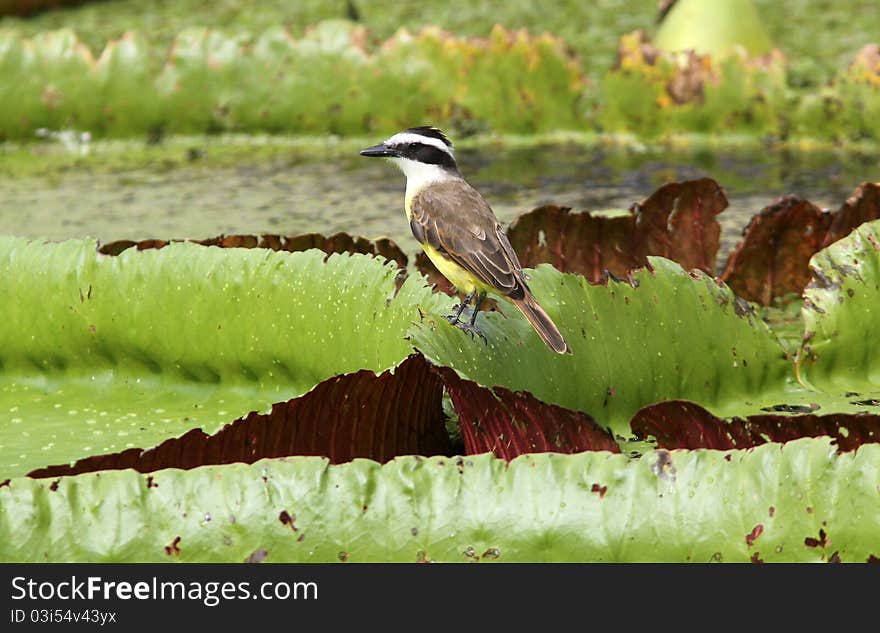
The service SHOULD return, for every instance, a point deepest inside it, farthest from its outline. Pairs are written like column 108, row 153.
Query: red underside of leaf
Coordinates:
column 511, row 424
column 683, row 424
column 348, row 416
column 678, row 221
column 338, row 243
column 578, row 243
column 772, row 259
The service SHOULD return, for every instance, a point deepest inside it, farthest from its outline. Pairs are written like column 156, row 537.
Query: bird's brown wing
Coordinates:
column 453, row 218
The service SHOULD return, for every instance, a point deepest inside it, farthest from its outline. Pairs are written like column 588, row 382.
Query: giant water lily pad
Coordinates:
column 665, row 334
column 800, row 502
column 354, row 415
column 138, row 330
column 101, row 353
column 842, row 313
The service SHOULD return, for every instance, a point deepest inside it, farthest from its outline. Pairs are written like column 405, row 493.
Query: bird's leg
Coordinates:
column 470, row 328
column 480, row 298
column 453, row 318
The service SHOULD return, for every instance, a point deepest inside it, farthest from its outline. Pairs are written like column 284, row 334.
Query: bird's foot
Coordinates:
column 455, row 316
column 471, row 329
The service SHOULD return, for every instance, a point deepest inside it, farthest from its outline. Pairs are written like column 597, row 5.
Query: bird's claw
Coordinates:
column 471, row 329
column 452, row 318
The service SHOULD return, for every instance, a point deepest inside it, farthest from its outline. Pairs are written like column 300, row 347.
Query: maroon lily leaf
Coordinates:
column 338, row 243
column 511, row 424
column 682, row 424
column 678, row 221
column 579, row 243
column 348, row 416
column 863, row 206
column 772, row 259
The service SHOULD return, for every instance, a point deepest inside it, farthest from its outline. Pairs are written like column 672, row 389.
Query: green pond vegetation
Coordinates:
column 242, row 328
column 818, row 36
column 189, row 119
column 340, row 77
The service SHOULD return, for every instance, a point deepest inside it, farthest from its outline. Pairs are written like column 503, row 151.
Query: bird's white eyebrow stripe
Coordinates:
column 408, row 137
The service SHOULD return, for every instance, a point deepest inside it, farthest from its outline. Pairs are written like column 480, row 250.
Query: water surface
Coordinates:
column 365, row 196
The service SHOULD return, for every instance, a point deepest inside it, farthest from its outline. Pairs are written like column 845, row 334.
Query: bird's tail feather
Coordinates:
column 542, row 323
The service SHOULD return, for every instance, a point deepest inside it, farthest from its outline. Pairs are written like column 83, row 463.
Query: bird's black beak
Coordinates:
column 381, row 150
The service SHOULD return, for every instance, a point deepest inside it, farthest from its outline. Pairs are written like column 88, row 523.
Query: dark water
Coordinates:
column 365, row 197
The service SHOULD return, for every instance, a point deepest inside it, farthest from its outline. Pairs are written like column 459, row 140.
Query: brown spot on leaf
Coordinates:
column 834, row 558
column 756, row 558
column 151, row 483
column 772, row 511
column 54, row 485
column 289, row 520
column 822, row 541
column 600, row 490
column 173, row 549
column 342, row 556
column 752, row 536
column 257, row 556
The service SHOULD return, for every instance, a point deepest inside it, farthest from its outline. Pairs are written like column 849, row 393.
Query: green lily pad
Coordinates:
column 101, row 353
column 798, row 502
column 667, row 334
column 841, row 312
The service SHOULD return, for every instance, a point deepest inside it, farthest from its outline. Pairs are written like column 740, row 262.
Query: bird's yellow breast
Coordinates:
column 463, row 280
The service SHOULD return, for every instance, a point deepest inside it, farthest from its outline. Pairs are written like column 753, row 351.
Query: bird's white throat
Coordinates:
column 419, row 175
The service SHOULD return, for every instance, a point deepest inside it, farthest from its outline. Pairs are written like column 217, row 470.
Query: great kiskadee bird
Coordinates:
column 459, row 231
